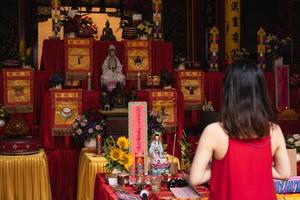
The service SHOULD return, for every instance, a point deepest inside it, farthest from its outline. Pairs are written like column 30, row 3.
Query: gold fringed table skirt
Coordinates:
column 89, row 166
column 24, row 177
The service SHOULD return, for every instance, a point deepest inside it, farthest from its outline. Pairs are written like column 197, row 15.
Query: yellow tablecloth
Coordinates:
column 89, row 166
column 24, row 177
column 288, row 196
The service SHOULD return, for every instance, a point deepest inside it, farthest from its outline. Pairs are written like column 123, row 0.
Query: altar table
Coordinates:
column 89, row 166
column 24, row 177
column 103, row 191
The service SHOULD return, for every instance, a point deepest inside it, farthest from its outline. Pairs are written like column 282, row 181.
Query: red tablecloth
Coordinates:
column 53, row 58
column 63, row 172
column 103, row 191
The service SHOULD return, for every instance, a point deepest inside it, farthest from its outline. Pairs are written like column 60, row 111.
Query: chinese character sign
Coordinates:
column 232, row 27
column 138, row 131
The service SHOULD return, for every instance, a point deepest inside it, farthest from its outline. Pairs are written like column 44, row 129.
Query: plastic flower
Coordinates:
column 91, row 130
column 115, row 154
column 291, row 140
column 296, row 136
column 123, row 142
column 127, row 161
column 297, row 143
column 98, row 127
column 79, row 131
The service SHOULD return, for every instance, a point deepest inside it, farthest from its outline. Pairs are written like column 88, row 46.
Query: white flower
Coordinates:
column 79, row 131
column 98, row 127
column 290, row 140
column 75, row 125
column 297, row 143
column 296, row 136
column 91, row 130
column 82, row 124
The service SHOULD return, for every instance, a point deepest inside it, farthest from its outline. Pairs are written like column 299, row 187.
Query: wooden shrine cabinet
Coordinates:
column 116, row 122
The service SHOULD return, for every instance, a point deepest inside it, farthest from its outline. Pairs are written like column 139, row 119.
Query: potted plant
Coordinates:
column 86, row 127
column 277, row 48
column 144, row 30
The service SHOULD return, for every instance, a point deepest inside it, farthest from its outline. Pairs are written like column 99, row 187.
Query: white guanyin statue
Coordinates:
column 159, row 163
column 112, row 70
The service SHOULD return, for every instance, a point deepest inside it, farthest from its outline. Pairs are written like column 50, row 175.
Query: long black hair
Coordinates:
column 247, row 111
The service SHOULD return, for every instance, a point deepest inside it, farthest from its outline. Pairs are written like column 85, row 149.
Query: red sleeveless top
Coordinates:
column 245, row 172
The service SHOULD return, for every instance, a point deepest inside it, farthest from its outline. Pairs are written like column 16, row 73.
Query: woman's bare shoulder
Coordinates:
column 214, row 130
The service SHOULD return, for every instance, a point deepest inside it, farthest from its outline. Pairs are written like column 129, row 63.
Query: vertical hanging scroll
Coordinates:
column 214, row 49
column 55, row 18
column 157, row 20
column 232, row 29
column 261, row 48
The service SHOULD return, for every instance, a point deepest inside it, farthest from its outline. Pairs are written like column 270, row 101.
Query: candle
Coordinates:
column 89, row 81
column 139, row 81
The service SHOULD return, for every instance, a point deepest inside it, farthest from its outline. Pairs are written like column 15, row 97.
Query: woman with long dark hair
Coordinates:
column 247, row 147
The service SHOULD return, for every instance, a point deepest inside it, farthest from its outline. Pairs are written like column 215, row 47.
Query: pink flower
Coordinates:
column 90, row 130
column 98, row 127
column 82, row 124
column 79, row 131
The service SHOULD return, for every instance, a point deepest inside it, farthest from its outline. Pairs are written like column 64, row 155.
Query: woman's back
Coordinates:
column 244, row 172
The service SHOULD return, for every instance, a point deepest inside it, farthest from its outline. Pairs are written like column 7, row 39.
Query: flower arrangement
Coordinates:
column 88, row 126
column 293, row 141
column 3, row 113
column 117, row 154
column 144, row 28
column 276, row 47
column 87, row 27
column 83, row 25
column 56, row 80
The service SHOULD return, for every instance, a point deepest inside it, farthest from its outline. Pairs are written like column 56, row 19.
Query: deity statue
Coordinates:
column 159, row 163
column 107, row 33
column 118, row 97
column 112, row 70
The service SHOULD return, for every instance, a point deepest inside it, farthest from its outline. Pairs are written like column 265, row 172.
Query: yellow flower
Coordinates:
column 115, row 154
column 122, row 142
column 127, row 161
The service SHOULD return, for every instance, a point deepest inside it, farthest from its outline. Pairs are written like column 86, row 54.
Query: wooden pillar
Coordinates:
column 22, row 46
column 193, row 30
column 232, row 28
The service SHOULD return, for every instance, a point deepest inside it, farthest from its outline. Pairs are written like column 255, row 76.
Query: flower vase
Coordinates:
column 90, row 143
column 143, row 37
column 167, row 87
column 2, row 123
column 278, row 61
column 70, row 35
